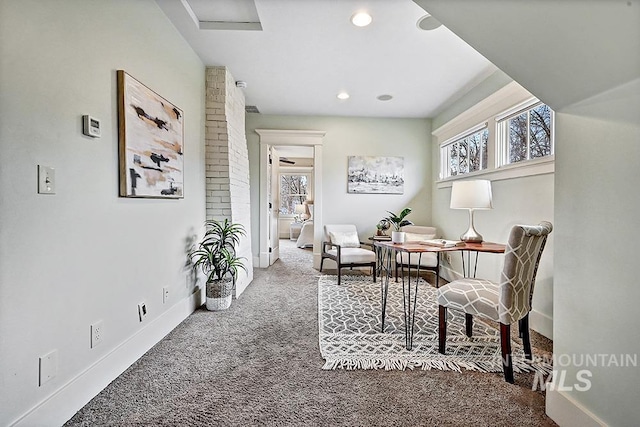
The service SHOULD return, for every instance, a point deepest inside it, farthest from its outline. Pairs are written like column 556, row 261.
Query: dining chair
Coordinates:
column 342, row 245
column 506, row 302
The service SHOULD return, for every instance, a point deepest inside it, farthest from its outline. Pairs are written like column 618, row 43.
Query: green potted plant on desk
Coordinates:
column 399, row 221
column 216, row 257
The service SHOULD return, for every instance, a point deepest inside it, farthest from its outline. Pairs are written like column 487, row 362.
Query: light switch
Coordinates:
column 46, row 180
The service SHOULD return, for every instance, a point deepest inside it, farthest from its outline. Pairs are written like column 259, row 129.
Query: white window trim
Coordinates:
column 541, row 166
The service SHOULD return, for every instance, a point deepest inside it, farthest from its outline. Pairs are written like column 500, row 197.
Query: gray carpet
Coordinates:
column 259, row 363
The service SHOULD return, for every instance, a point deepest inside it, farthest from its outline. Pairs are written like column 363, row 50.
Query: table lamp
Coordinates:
column 471, row 195
column 299, row 210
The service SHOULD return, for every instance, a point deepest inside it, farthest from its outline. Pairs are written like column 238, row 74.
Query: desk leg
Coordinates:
column 384, row 280
column 409, row 304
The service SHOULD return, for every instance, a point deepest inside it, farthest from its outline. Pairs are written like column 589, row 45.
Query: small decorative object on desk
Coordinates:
column 442, row 243
column 398, row 222
column 382, row 226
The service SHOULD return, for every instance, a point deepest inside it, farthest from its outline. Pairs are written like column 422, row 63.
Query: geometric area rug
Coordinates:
column 349, row 318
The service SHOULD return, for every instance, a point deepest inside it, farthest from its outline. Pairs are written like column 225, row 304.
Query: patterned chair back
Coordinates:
column 522, row 256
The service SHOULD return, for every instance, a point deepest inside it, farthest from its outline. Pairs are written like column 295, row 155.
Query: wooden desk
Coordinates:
column 388, row 252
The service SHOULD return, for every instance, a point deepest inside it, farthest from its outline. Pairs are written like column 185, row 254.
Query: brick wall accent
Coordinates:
column 227, row 160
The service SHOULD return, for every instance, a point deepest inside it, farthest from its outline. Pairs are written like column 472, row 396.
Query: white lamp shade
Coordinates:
column 471, row 195
column 300, row 209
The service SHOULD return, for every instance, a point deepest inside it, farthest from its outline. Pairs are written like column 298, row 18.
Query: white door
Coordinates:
column 273, row 188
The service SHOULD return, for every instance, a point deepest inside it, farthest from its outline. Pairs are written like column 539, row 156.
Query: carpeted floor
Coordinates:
column 259, row 363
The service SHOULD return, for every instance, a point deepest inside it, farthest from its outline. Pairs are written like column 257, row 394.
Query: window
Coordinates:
column 294, row 189
column 525, row 134
column 462, row 155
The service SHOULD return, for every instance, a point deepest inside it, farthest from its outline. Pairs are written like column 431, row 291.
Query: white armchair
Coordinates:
column 342, row 245
column 426, row 261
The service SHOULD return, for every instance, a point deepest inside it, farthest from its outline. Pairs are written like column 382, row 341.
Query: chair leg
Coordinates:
column 338, row 274
column 373, row 270
column 468, row 322
column 505, row 345
column 321, row 262
column 442, row 328
column 526, row 338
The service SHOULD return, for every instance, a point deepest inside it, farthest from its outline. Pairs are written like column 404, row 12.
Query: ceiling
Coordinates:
column 297, row 55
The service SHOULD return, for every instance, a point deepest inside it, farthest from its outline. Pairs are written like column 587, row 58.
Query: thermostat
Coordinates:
column 91, row 126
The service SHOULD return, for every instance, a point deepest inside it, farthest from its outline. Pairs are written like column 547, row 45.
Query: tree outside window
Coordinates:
column 530, row 134
column 467, row 154
column 294, row 189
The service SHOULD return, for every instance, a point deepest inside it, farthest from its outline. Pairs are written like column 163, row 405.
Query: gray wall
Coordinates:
column 84, row 254
column 597, row 214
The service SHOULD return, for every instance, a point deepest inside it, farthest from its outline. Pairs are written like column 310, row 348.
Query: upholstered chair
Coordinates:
column 506, row 302
column 342, row 244
column 426, row 260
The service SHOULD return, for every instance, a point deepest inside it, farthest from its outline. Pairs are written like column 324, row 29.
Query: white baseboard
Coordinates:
column 566, row 412
column 541, row 323
column 72, row 396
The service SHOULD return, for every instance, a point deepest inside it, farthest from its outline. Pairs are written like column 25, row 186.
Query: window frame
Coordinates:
column 502, row 134
column 309, row 194
column 491, row 109
column 445, row 161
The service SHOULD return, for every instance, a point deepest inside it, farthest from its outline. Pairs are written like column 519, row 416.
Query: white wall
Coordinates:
column 349, row 136
column 597, row 214
column 84, row 254
column 522, row 200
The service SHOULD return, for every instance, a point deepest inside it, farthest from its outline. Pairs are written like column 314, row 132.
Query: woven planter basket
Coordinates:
column 219, row 294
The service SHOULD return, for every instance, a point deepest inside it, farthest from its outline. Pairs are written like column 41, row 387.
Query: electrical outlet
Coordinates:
column 96, row 333
column 47, row 367
column 142, row 311
column 447, row 257
column 165, row 294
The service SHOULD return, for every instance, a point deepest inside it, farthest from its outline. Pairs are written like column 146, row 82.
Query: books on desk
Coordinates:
column 442, row 243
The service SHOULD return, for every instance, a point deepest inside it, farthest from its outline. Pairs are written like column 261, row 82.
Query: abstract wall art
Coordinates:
column 375, row 175
column 150, row 131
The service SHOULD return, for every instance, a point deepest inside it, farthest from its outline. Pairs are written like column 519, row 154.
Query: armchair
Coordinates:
column 427, row 261
column 506, row 302
column 342, row 245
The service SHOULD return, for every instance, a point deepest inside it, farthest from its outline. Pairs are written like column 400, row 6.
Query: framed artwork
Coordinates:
column 375, row 175
column 150, row 131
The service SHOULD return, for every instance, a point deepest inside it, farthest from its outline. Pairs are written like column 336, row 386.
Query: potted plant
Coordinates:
column 216, row 257
column 399, row 221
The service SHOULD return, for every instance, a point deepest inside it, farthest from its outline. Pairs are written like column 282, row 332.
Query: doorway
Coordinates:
column 278, row 143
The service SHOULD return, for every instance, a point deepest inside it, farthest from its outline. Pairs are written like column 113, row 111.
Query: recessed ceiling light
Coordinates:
column 428, row 23
column 343, row 95
column 384, row 97
column 361, row 19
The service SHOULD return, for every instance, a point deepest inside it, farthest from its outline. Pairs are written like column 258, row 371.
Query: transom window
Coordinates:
column 518, row 136
column 462, row 155
column 526, row 134
column 294, row 189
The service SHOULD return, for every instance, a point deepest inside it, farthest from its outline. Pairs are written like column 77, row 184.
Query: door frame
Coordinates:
column 275, row 137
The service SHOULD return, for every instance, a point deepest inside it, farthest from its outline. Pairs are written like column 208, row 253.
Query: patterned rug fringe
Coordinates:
column 388, row 364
